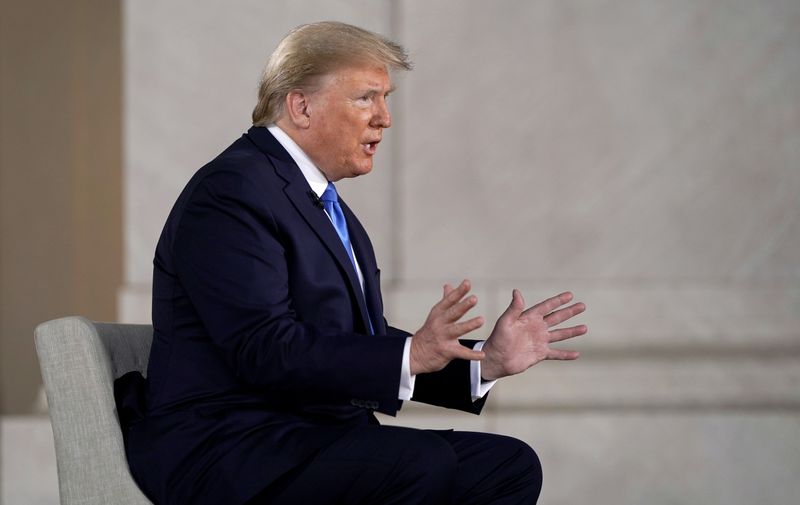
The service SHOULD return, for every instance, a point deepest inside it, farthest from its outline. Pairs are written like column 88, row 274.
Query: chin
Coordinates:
column 361, row 170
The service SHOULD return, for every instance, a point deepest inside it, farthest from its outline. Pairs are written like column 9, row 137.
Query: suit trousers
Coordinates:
column 395, row 465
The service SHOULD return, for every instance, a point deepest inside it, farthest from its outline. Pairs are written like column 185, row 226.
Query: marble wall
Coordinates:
column 644, row 154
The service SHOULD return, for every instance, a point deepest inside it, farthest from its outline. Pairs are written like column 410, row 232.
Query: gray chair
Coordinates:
column 79, row 361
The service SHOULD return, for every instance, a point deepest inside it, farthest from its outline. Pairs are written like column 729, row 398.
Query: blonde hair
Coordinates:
column 314, row 50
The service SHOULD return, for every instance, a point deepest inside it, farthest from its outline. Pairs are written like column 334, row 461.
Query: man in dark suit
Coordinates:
column 271, row 351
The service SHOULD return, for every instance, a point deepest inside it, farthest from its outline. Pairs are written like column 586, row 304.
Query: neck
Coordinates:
column 292, row 131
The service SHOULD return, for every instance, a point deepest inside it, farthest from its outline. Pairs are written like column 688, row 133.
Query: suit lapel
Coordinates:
column 297, row 190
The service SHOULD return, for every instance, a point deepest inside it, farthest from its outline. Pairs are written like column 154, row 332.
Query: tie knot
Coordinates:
column 329, row 195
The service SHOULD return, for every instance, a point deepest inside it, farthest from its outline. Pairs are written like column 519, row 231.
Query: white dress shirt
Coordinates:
column 318, row 182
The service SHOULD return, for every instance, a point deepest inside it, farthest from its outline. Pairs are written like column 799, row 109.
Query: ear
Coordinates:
column 297, row 105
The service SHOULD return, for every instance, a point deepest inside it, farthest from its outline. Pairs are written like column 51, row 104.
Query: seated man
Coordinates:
column 271, row 351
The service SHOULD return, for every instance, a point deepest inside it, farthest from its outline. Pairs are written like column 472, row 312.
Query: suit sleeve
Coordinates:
column 229, row 258
column 449, row 387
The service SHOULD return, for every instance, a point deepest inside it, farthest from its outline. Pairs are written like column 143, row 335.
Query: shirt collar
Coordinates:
column 316, row 179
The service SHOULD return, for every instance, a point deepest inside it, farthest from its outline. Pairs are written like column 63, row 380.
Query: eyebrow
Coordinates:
column 376, row 91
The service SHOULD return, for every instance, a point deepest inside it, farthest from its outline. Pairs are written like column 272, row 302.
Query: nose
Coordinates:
column 381, row 118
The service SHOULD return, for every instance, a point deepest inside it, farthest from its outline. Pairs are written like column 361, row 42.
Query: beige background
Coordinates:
column 644, row 154
column 60, row 176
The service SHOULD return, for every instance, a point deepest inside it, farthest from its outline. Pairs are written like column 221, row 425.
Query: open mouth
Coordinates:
column 371, row 147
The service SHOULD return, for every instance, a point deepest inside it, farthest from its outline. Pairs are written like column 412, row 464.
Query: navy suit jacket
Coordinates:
column 261, row 354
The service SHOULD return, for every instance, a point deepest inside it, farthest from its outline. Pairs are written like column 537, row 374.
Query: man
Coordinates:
column 270, row 348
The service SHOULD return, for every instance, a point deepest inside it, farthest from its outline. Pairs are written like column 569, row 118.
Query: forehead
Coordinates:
column 364, row 77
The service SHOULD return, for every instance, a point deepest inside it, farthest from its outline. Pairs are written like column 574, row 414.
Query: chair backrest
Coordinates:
column 79, row 361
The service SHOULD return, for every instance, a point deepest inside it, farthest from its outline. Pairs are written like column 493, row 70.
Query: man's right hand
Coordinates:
column 436, row 344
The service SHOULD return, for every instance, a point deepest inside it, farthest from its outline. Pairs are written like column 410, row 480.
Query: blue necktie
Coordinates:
column 330, row 200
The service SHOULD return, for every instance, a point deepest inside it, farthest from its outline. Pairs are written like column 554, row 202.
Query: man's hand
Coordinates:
column 436, row 344
column 521, row 338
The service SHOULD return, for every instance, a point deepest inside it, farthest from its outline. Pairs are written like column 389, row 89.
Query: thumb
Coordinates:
column 465, row 353
column 517, row 304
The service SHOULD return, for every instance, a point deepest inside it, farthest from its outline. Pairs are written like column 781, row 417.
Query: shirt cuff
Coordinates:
column 406, row 379
column 478, row 387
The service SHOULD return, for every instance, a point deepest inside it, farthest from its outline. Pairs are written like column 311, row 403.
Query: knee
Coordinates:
column 521, row 466
column 532, row 459
column 529, row 467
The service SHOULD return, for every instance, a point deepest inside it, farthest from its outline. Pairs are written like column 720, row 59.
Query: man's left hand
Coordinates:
column 522, row 337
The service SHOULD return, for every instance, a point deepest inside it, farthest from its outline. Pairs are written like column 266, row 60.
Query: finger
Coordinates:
column 516, row 306
column 558, row 354
column 462, row 352
column 458, row 310
column 561, row 315
column 447, row 288
column 454, row 295
column 550, row 304
column 565, row 333
column 464, row 327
